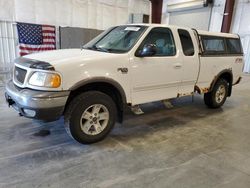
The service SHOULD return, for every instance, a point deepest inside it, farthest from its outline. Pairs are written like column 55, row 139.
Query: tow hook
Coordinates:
column 9, row 100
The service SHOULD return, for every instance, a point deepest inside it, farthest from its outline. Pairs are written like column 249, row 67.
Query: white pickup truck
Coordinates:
column 125, row 65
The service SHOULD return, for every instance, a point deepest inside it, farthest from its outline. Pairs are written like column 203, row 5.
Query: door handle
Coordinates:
column 177, row 65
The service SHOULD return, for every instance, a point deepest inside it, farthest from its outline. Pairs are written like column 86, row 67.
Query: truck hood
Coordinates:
column 59, row 57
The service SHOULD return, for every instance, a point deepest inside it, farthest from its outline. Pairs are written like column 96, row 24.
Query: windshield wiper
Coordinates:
column 109, row 50
column 94, row 47
column 114, row 50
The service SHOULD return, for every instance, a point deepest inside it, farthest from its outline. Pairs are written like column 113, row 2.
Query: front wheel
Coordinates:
column 217, row 97
column 90, row 117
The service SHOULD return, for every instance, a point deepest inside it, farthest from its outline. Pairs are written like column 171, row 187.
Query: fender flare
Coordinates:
column 101, row 80
column 225, row 71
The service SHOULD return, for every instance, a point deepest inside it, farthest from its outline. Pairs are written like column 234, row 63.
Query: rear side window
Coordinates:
column 214, row 45
column 186, row 42
column 233, row 46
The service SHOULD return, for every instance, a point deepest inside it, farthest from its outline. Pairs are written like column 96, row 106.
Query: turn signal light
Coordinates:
column 55, row 81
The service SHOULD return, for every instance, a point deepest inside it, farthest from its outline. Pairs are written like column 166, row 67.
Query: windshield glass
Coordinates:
column 116, row 40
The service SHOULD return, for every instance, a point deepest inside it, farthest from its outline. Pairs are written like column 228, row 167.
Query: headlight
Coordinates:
column 45, row 79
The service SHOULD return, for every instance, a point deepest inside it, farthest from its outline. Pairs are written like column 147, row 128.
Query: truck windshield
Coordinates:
column 116, row 40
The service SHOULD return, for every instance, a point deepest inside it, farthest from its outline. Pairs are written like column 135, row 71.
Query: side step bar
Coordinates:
column 138, row 111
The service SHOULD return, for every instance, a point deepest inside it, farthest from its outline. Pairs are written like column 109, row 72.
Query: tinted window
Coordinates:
column 213, row 45
column 162, row 38
column 233, row 46
column 186, row 42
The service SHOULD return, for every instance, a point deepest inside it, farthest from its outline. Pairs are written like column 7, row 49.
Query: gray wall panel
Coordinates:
column 72, row 37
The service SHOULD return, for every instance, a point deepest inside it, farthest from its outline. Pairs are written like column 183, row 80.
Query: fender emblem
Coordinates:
column 123, row 70
column 238, row 60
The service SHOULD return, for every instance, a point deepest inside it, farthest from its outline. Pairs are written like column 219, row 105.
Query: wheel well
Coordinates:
column 229, row 78
column 104, row 87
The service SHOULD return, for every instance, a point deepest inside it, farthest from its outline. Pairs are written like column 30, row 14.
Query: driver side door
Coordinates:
column 158, row 76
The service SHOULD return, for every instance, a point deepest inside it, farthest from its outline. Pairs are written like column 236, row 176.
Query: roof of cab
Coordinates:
column 200, row 32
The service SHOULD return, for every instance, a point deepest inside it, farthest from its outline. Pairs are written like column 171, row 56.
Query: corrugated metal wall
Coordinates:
column 8, row 49
column 240, row 25
column 245, row 39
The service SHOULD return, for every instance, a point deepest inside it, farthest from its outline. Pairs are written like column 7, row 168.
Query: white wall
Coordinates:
column 241, row 25
column 165, row 14
column 7, row 10
column 216, row 14
column 198, row 18
column 97, row 14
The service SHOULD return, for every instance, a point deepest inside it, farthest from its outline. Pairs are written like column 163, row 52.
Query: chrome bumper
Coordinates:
column 45, row 104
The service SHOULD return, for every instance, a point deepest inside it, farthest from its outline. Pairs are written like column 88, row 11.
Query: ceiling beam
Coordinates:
column 227, row 17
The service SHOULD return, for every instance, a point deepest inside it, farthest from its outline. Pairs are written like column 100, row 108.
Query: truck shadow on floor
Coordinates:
column 156, row 118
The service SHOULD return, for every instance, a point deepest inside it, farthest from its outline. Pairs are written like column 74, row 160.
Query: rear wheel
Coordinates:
column 217, row 97
column 90, row 117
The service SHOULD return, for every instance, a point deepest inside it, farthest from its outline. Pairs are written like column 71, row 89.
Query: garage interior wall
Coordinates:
column 240, row 22
column 95, row 14
column 90, row 14
column 75, row 37
column 217, row 15
column 198, row 18
column 189, row 13
column 241, row 25
column 207, row 18
column 8, row 49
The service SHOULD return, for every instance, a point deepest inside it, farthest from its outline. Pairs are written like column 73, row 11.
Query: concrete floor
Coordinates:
column 185, row 146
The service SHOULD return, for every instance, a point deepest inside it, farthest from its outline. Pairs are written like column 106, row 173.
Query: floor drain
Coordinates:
column 42, row 133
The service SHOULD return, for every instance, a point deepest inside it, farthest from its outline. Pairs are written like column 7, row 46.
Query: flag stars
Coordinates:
column 30, row 33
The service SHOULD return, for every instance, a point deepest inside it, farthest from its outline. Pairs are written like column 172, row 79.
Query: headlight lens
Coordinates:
column 45, row 79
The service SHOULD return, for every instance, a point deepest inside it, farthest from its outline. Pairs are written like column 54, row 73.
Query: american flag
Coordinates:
column 35, row 38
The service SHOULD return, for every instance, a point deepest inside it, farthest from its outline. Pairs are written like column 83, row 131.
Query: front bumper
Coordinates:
column 43, row 105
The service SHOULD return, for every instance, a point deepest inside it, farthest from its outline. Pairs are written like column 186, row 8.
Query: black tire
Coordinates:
column 78, row 106
column 210, row 98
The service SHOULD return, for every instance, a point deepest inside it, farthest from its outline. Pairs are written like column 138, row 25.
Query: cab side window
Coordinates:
column 163, row 39
column 186, row 42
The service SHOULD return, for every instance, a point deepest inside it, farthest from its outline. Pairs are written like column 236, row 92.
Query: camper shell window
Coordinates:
column 213, row 45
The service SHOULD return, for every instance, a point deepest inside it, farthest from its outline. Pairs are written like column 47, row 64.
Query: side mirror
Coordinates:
column 148, row 50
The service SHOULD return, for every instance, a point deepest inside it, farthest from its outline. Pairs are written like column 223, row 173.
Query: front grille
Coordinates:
column 19, row 74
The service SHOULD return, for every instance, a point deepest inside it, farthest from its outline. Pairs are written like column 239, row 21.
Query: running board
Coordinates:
column 137, row 110
column 167, row 103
